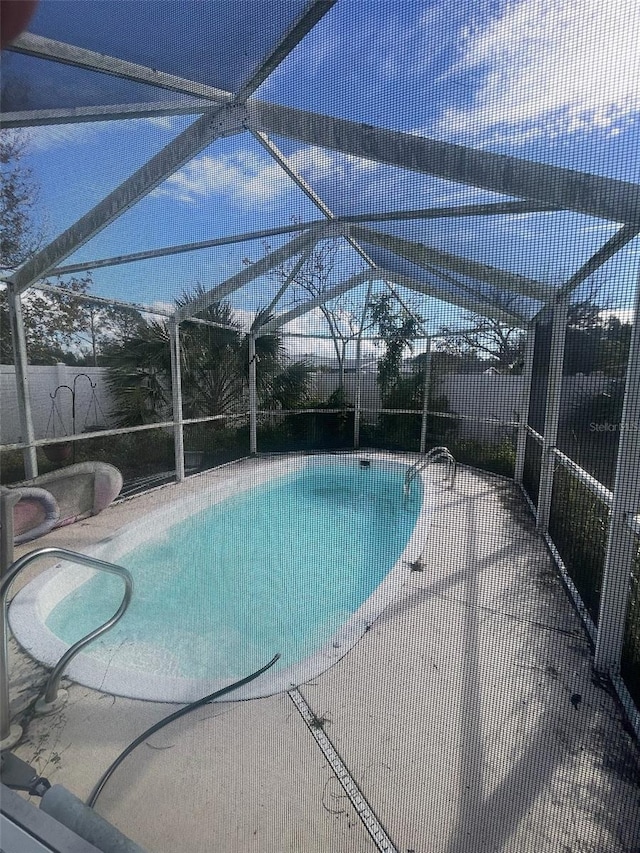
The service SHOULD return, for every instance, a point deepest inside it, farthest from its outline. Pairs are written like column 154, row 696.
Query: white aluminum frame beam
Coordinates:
column 525, row 404
column 392, row 290
column 469, row 304
column 176, row 397
column 332, row 293
column 60, row 290
column 420, row 254
column 358, row 400
column 622, row 542
column 619, row 240
column 217, row 122
column 242, row 278
column 499, row 208
column 605, row 198
column 281, row 160
column 253, row 395
column 552, row 413
column 426, row 213
column 491, row 309
column 275, row 152
column 21, row 365
column 107, row 112
column 426, row 387
column 69, row 54
column 90, row 60
column 302, row 260
column 316, row 9
column 183, row 247
column 92, row 299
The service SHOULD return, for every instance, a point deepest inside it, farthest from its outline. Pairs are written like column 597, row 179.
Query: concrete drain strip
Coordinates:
column 362, row 807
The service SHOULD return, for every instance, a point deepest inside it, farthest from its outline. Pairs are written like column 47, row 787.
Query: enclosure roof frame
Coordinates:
column 535, row 186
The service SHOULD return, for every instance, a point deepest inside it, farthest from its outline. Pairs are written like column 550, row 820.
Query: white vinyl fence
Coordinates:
column 472, row 395
column 53, row 418
column 469, row 395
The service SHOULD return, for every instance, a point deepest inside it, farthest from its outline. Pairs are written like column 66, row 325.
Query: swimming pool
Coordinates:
column 296, row 555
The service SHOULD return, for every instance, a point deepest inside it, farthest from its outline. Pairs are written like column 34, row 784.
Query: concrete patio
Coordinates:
column 468, row 716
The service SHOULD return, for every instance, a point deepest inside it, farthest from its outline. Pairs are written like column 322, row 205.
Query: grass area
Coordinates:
column 579, row 524
column 496, row 458
column 531, row 472
column 631, row 649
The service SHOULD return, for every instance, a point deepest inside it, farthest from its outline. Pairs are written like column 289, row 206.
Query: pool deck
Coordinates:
column 468, row 717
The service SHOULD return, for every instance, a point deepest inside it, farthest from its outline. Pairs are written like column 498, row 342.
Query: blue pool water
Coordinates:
column 277, row 568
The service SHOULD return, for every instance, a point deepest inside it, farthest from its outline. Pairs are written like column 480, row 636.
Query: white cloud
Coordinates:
column 173, row 123
column 316, row 164
column 163, row 306
column 244, row 317
column 248, row 178
column 625, row 315
column 244, row 177
column 552, row 67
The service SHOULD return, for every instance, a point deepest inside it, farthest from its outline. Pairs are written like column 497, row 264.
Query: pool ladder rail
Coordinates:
column 436, row 454
column 52, row 698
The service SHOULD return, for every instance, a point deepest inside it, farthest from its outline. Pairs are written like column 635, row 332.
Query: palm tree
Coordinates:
column 214, row 368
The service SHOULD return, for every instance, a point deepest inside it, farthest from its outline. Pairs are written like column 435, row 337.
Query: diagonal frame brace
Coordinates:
column 468, row 304
column 216, row 123
column 309, row 305
column 252, row 272
column 423, row 256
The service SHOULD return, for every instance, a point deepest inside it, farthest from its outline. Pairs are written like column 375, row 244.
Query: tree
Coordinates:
column 615, row 347
column 61, row 328
column 397, row 327
column 214, row 368
column 139, row 371
column 102, row 326
column 320, row 272
column 51, row 323
column 57, row 326
column 50, row 320
column 502, row 345
column 21, row 234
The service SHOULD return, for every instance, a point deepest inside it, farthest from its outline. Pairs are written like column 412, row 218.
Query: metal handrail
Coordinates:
column 433, row 455
column 51, row 690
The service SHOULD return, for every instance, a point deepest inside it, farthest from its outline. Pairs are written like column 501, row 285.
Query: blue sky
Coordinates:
column 550, row 80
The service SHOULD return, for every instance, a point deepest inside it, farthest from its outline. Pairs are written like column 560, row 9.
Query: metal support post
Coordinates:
column 622, row 543
column 358, row 400
column 552, row 414
column 176, row 397
column 8, row 499
column 253, row 396
column 425, row 397
column 525, row 400
column 22, row 382
column 9, row 735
